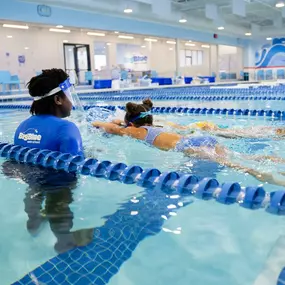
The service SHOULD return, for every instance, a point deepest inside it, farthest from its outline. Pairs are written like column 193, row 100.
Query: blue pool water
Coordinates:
column 143, row 237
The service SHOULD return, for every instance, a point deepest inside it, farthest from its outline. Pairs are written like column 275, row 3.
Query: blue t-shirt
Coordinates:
column 49, row 132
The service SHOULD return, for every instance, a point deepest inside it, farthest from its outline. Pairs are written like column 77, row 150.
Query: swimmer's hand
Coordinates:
column 97, row 124
column 109, row 128
column 176, row 126
column 280, row 132
column 118, row 122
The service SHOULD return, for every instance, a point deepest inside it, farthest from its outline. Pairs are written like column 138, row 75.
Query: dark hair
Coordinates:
column 41, row 85
column 134, row 110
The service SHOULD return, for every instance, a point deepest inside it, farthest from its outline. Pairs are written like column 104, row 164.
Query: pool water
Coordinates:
column 246, row 104
column 171, row 239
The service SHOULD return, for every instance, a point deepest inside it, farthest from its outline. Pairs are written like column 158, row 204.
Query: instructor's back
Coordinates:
column 46, row 128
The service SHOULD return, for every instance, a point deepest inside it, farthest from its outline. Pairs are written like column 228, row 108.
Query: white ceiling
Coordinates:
column 262, row 18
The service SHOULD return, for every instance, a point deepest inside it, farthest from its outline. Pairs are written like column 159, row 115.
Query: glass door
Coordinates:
column 77, row 62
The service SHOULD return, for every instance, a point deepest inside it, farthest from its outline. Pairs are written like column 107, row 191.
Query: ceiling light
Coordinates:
column 171, row 42
column 143, row 46
column 190, row 45
column 59, row 31
column 108, row 44
column 183, row 20
column 150, row 40
column 96, row 34
column 26, row 48
column 128, row 11
column 125, row 37
column 268, row 39
column 221, row 28
column 205, row 46
column 16, row 26
column 9, row 37
column 280, row 4
column 59, row 26
column 170, row 48
column 248, row 34
column 65, row 41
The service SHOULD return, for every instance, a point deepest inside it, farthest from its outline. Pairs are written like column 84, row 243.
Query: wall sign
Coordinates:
column 21, row 59
column 44, row 11
column 136, row 59
column 139, row 59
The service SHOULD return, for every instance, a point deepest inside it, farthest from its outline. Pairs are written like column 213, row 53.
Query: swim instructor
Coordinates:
column 46, row 128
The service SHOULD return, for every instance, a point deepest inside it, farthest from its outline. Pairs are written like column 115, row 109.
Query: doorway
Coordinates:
column 77, row 62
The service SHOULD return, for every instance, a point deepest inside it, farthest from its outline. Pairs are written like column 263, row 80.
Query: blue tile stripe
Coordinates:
column 281, row 278
column 112, row 245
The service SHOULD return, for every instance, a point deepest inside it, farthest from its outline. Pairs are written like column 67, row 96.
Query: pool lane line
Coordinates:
column 277, row 114
column 174, row 183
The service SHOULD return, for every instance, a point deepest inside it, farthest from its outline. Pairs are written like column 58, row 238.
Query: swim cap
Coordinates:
column 204, row 125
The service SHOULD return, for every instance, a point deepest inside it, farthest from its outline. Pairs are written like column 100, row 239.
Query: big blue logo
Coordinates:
column 139, row 59
column 30, row 136
column 44, row 10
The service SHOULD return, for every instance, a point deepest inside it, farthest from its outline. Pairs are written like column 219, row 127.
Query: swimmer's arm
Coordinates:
column 109, row 128
column 235, row 134
column 225, row 134
column 176, row 126
column 118, row 122
column 114, row 129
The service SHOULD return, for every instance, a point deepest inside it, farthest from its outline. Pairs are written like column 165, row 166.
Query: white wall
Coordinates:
column 162, row 59
column 45, row 50
column 230, row 59
column 214, row 59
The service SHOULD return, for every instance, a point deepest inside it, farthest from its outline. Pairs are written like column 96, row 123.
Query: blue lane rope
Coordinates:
column 188, row 97
column 168, row 182
column 183, row 98
column 205, row 93
column 185, row 110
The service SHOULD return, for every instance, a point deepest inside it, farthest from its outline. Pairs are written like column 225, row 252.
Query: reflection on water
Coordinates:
column 54, row 190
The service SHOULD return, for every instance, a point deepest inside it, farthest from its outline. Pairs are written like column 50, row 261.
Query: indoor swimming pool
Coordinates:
column 132, row 235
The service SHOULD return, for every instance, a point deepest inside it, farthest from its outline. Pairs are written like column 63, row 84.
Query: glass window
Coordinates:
column 182, row 58
column 100, row 61
column 200, row 57
column 194, row 57
column 188, row 57
column 191, row 57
